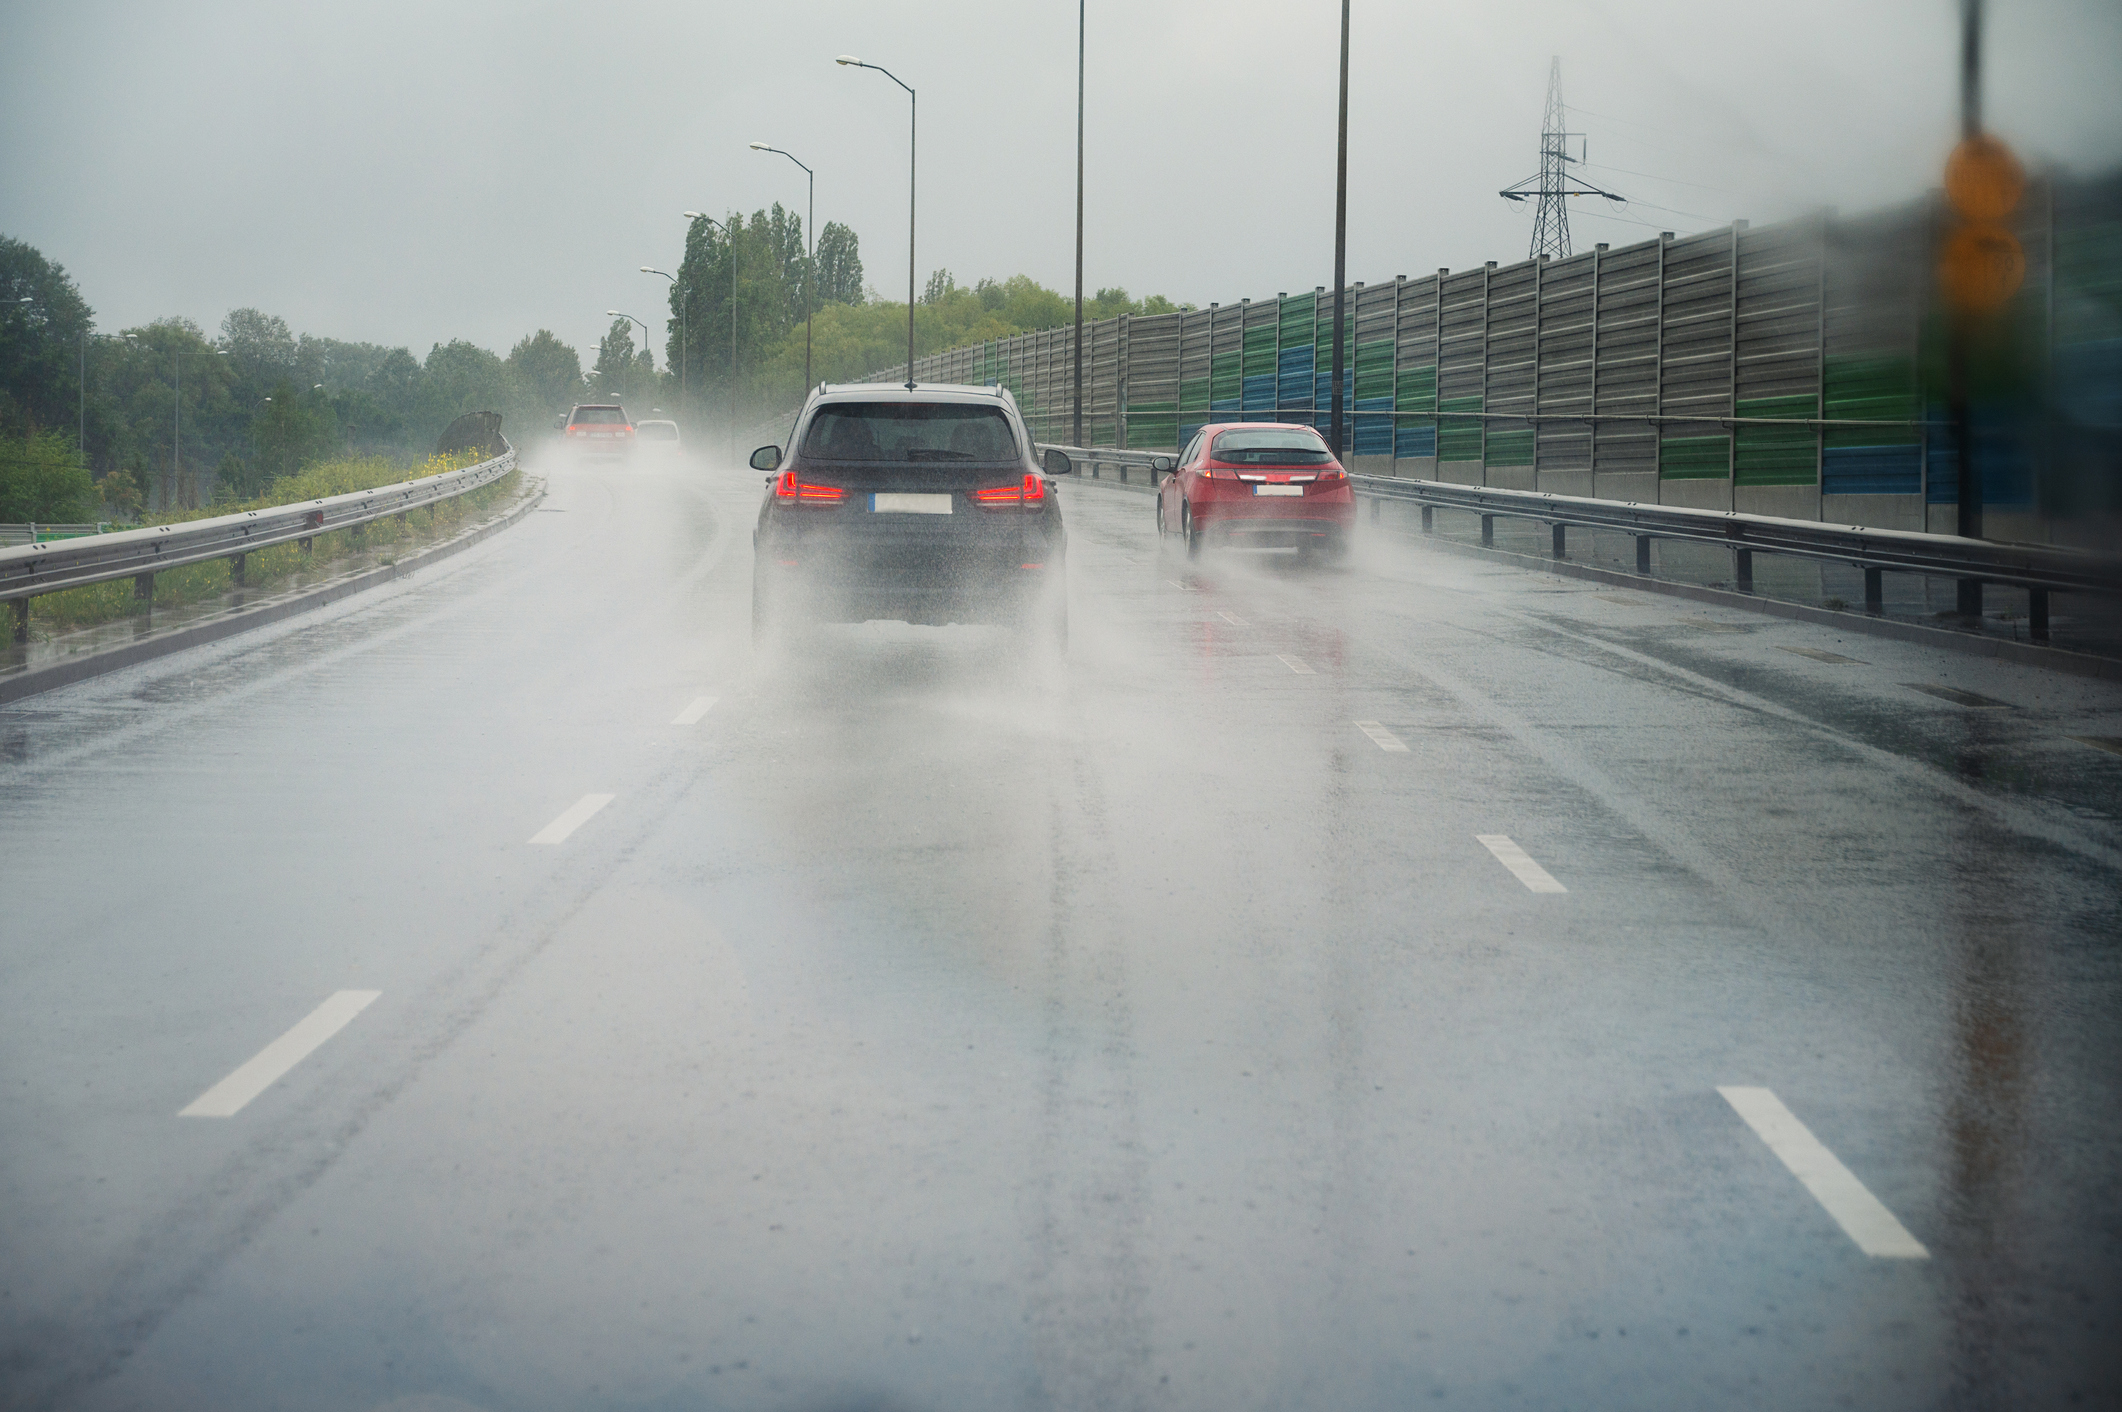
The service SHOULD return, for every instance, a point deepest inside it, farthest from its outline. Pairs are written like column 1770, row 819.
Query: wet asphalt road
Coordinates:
column 924, row 1025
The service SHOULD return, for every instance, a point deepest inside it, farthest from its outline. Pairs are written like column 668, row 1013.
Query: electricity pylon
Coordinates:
column 1554, row 183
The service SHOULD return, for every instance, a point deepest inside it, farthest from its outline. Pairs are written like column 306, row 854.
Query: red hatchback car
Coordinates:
column 1261, row 484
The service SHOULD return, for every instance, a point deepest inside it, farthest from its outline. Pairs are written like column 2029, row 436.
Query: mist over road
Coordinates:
column 1316, row 991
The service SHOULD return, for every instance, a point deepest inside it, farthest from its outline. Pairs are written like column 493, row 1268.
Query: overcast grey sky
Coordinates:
column 407, row 173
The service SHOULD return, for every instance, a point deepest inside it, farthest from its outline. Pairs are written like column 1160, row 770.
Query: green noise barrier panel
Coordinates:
column 1777, row 455
column 1510, row 448
column 1694, row 458
column 1459, row 438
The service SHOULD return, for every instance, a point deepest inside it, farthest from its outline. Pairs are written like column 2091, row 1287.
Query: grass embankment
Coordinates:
column 285, row 564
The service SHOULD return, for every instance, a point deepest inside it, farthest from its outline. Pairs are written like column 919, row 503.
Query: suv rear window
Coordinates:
column 901, row 431
column 600, row 416
column 1271, row 448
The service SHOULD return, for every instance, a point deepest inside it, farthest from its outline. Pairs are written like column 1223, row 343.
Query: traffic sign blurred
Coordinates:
column 1983, row 180
column 1981, row 267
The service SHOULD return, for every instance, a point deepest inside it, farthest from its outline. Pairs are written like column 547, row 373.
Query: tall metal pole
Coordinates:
column 810, row 258
column 1333, row 435
column 810, row 266
column 1969, row 518
column 682, row 340
column 913, row 114
column 1076, row 434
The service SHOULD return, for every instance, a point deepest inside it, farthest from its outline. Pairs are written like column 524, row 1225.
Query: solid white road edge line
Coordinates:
column 260, row 1072
column 1863, row 1216
column 1294, row 665
column 1511, row 856
column 1385, row 739
column 700, row 707
column 576, row 815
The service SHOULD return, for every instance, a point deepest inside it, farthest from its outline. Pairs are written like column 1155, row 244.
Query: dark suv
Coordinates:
column 923, row 504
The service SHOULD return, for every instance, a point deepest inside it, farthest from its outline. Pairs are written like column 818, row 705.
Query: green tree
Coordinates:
column 547, row 370
column 40, row 341
column 40, row 479
column 461, row 377
column 261, row 349
column 839, row 259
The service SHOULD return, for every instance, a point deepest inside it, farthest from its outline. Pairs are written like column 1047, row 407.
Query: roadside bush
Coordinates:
column 40, row 480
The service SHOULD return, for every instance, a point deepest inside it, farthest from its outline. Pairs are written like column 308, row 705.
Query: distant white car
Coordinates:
column 656, row 436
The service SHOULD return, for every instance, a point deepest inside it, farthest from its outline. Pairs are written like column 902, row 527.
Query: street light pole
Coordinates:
column 913, row 113
column 1076, row 436
column 176, row 447
column 81, row 440
column 730, row 232
column 684, row 297
column 810, row 259
column 615, row 314
column 1333, row 422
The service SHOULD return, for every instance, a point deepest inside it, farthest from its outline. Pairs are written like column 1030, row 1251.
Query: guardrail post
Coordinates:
column 1429, row 519
column 1377, row 511
column 1488, row 531
column 1970, row 596
column 21, row 633
column 235, row 570
column 1643, row 555
column 1561, row 534
column 1742, row 568
column 305, row 543
column 2037, row 614
column 1875, row 591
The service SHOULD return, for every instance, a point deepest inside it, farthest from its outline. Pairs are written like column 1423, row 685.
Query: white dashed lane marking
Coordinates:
column 575, row 816
column 700, row 707
column 1385, row 739
column 1511, row 856
column 260, row 1072
column 1860, row 1214
column 1233, row 619
column 1294, row 665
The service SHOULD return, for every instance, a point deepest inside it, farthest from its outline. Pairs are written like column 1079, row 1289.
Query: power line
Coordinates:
column 1554, row 185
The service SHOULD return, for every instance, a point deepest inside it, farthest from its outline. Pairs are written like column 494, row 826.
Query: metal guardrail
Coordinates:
column 36, row 533
column 29, row 570
column 2040, row 569
column 1132, row 467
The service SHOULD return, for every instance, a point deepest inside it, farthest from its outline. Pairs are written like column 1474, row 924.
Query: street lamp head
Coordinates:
column 614, row 313
column 848, row 59
column 693, row 216
column 760, row 147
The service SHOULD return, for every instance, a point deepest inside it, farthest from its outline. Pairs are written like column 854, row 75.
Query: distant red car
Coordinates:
column 1259, row 484
column 598, row 429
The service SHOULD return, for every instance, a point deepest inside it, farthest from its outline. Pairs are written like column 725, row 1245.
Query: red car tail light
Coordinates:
column 1002, row 497
column 790, row 491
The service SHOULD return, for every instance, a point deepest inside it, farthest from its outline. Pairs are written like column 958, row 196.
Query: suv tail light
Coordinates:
column 790, row 491
column 1003, row 497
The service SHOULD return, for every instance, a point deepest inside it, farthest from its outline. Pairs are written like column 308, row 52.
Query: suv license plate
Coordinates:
column 1278, row 490
column 897, row 503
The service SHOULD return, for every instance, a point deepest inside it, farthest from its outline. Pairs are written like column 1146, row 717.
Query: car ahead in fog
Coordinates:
column 1264, row 485
column 922, row 504
column 598, row 429
column 655, row 435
